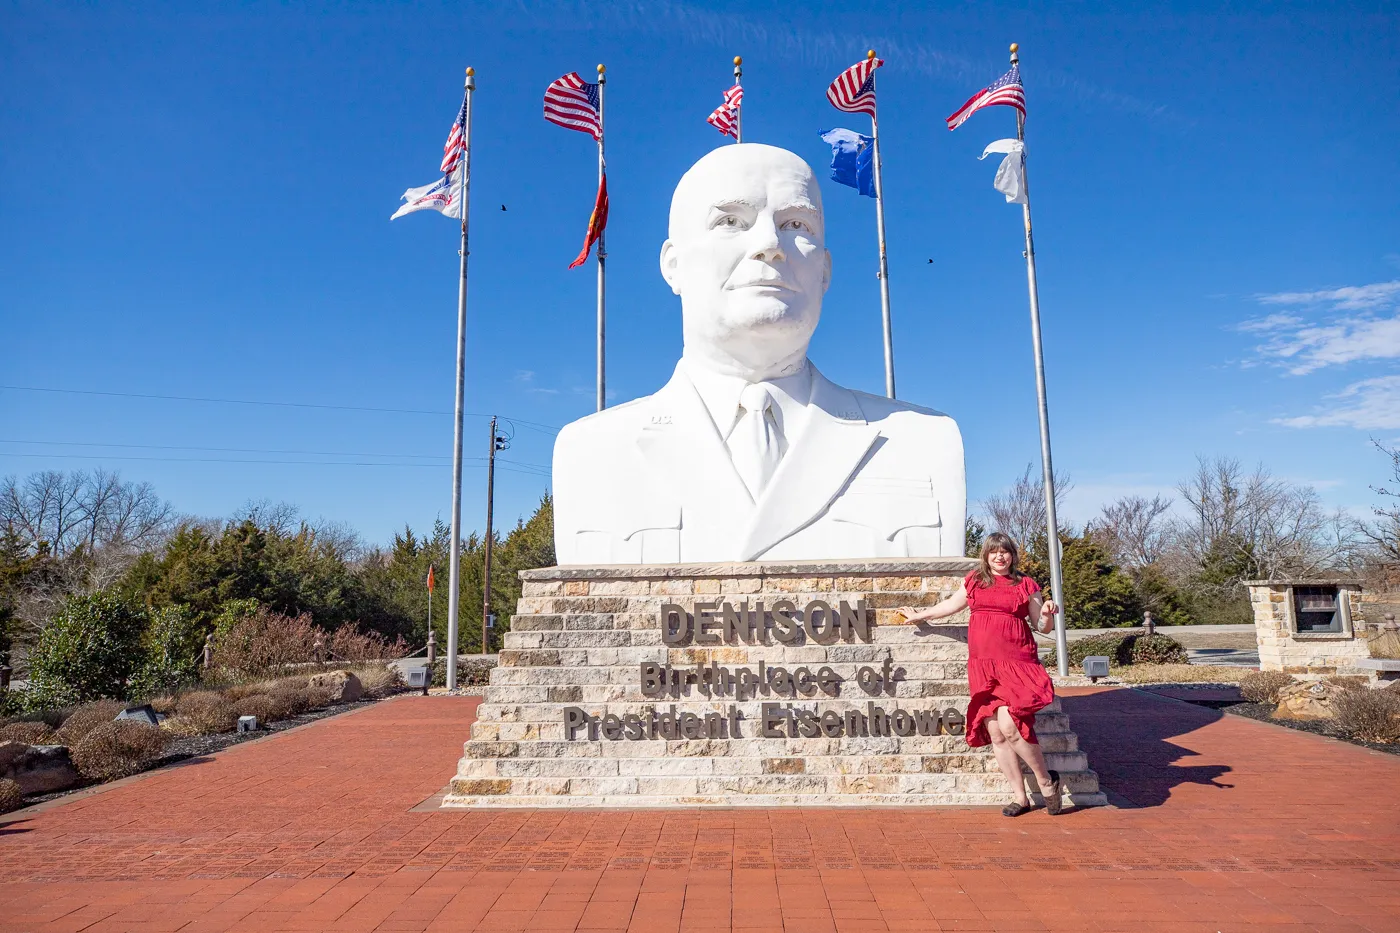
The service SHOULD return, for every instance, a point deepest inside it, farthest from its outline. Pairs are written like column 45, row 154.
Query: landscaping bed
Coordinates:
column 196, row 746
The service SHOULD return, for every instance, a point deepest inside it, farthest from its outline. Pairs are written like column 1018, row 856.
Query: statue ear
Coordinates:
column 669, row 262
column 826, row 273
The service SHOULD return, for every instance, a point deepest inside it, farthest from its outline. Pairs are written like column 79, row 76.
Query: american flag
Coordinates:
column 456, row 142
column 854, row 89
column 572, row 103
column 726, row 115
column 1005, row 90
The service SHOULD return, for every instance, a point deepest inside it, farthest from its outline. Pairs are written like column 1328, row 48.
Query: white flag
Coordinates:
column 1011, row 176
column 443, row 196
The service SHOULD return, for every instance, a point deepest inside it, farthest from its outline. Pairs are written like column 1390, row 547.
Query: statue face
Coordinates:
column 747, row 256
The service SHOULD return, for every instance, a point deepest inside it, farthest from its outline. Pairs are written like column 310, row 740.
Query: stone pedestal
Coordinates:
column 566, row 721
column 1304, row 654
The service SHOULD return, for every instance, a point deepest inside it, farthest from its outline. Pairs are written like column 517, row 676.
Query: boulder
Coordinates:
column 345, row 687
column 1307, row 700
column 40, row 769
column 9, row 752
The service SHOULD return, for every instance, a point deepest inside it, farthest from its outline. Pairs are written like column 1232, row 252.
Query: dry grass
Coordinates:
column 10, row 796
column 379, row 680
column 319, row 697
column 117, row 749
column 1180, row 674
column 1263, row 686
column 31, row 733
column 86, row 718
column 1385, row 645
column 1237, row 640
column 288, row 702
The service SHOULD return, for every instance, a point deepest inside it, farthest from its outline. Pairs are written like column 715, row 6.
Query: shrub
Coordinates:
column 380, row 681
column 165, row 704
column 116, row 749
column 319, row 697
column 259, row 705
column 1263, row 686
column 85, row 652
column 171, row 647
column 31, row 733
column 87, row 717
column 287, row 702
column 206, row 712
column 11, row 798
column 348, row 643
column 1368, row 715
column 264, row 641
column 1156, row 649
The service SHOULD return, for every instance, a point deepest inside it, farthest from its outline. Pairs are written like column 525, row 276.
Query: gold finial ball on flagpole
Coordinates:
column 1015, row 47
column 870, row 54
column 470, row 71
column 602, row 68
column 738, row 61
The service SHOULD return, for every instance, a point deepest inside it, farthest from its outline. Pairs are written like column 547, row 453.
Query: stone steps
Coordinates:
column 582, row 635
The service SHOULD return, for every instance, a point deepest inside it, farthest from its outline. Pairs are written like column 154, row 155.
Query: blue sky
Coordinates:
column 194, row 203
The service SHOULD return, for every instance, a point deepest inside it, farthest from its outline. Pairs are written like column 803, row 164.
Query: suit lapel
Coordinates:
column 831, row 446
column 683, row 450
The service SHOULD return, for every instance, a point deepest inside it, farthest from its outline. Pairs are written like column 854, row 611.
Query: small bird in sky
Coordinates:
column 930, row 260
column 503, row 207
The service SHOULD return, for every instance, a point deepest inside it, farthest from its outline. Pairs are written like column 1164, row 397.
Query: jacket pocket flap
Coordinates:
column 887, row 515
column 632, row 517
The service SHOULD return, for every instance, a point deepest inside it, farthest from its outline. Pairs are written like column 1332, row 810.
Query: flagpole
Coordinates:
column 454, row 575
column 1051, row 523
column 880, row 226
column 602, row 257
column 738, row 111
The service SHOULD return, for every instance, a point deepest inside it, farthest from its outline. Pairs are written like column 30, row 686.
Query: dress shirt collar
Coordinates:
column 720, row 393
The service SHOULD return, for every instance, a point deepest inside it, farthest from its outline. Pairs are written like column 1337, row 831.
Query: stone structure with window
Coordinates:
column 1309, row 628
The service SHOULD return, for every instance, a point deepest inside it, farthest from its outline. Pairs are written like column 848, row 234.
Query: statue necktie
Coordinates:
column 755, row 445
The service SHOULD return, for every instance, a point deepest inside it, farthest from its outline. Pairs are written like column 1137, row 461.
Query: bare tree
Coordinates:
column 1020, row 511
column 1133, row 530
column 1383, row 531
column 1267, row 527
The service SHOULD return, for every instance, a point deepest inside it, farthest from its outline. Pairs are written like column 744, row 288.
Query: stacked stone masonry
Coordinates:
column 1308, row 655
column 581, row 634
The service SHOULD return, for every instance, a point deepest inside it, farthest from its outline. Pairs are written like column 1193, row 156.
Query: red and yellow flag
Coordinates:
column 430, row 578
column 596, row 222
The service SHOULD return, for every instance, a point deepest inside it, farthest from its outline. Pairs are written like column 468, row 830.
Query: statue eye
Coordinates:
column 797, row 225
column 728, row 220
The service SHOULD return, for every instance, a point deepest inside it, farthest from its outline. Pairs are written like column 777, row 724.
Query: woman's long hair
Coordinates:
column 996, row 541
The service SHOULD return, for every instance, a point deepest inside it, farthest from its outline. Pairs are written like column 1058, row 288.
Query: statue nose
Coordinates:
column 766, row 246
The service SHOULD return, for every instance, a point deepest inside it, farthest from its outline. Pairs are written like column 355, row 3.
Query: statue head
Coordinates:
column 747, row 255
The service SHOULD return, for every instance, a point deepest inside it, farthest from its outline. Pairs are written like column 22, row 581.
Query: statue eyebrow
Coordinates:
column 807, row 206
column 736, row 202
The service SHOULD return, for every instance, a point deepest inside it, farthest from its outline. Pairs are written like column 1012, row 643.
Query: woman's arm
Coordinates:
column 950, row 606
column 1043, row 613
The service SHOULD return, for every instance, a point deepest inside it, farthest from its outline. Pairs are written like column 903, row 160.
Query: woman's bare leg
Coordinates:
column 1025, row 751
column 1007, row 761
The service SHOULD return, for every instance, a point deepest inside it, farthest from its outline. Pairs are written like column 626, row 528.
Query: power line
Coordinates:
column 547, row 428
column 235, row 450
column 533, row 469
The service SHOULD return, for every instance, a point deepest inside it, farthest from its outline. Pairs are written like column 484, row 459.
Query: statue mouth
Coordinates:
column 777, row 285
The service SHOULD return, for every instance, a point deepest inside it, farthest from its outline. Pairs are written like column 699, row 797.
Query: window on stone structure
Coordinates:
column 1315, row 609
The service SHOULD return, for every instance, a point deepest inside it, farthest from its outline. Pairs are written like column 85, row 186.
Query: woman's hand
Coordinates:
column 1045, row 618
column 915, row 615
column 1048, row 608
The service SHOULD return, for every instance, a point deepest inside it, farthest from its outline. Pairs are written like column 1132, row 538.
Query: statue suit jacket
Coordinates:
column 650, row 481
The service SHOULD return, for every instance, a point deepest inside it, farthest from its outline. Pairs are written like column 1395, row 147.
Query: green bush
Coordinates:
column 1156, row 649
column 171, row 653
column 1263, row 686
column 1123, row 649
column 87, row 651
column 118, row 749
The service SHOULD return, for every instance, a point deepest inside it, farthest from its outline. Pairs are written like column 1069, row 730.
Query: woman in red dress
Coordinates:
column 1006, row 679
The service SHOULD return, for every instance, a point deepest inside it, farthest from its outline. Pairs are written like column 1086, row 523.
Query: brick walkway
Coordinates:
column 1223, row 824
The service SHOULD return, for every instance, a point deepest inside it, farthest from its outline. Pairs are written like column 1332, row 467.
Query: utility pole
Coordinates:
column 497, row 443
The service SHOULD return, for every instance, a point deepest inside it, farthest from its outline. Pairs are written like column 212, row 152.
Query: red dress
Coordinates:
column 1002, row 666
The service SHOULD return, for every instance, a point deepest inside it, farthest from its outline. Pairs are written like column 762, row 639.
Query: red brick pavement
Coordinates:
column 1223, row 824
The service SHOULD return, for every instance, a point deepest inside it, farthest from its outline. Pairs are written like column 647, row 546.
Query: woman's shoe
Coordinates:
column 1014, row 809
column 1054, row 801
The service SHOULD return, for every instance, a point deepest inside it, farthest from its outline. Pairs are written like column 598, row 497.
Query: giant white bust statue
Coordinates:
column 749, row 452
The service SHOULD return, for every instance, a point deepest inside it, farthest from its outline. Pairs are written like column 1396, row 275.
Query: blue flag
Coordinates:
column 852, row 159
